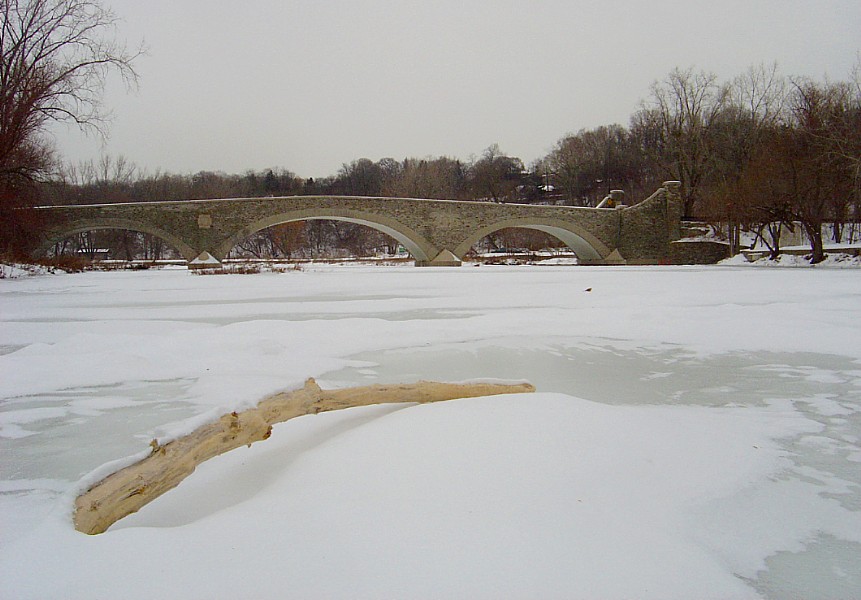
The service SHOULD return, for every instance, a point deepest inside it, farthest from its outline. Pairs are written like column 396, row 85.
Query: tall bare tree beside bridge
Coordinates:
column 56, row 55
column 682, row 112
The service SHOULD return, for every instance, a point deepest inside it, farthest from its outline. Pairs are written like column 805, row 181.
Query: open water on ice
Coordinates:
column 44, row 436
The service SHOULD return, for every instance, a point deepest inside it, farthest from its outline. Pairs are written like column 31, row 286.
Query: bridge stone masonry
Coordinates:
column 435, row 232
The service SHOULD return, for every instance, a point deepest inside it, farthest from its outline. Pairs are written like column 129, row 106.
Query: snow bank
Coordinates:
column 721, row 460
column 18, row 270
column 539, row 496
column 832, row 260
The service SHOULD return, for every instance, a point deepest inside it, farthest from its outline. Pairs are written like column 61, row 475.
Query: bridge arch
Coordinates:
column 80, row 226
column 588, row 248
column 417, row 245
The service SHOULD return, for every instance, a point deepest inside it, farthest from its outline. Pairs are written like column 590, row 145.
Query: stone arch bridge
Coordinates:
column 435, row 232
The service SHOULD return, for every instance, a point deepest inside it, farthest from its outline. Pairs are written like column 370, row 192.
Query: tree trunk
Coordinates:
column 774, row 231
column 814, row 232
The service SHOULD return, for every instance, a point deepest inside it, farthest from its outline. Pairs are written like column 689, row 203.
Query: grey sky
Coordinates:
column 310, row 84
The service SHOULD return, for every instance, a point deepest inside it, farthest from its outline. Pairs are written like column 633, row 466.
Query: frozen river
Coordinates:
column 712, row 414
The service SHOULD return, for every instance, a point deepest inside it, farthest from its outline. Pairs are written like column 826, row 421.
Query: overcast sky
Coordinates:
column 310, row 84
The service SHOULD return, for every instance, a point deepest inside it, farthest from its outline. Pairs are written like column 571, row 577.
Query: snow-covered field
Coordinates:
column 696, row 433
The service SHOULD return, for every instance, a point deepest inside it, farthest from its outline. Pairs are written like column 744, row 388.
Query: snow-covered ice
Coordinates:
column 695, row 433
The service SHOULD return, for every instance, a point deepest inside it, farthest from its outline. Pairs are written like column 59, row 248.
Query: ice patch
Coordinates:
column 11, row 420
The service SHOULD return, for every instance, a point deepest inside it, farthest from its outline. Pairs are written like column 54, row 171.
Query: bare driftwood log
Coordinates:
column 127, row 490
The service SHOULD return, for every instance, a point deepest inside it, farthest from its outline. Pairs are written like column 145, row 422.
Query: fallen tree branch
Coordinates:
column 129, row 489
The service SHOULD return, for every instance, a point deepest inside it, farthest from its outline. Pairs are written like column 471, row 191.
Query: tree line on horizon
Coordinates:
column 759, row 152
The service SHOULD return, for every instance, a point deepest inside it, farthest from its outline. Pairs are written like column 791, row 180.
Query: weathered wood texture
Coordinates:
column 127, row 490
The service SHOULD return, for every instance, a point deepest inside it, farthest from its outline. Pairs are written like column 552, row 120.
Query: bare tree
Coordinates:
column 818, row 111
column 360, row 178
column 683, row 110
column 755, row 106
column 567, row 163
column 795, row 174
column 443, row 178
column 586, row 165
column 842, row 136
column 496, row 176
column 55, row 57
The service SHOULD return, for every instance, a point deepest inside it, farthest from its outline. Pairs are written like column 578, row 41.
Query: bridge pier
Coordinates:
column 204, row 260
column 446, row 258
